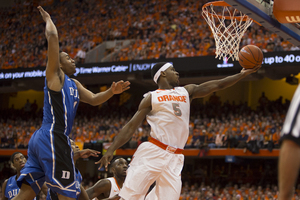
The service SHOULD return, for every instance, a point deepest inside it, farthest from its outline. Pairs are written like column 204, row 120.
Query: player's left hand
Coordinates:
column 119, row 87
column 85, row 153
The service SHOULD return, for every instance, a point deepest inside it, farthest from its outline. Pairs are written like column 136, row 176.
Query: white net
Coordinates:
column 228, row 26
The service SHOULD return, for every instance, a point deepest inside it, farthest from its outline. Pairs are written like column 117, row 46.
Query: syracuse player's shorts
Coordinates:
column 151, row 163
column 50, row 160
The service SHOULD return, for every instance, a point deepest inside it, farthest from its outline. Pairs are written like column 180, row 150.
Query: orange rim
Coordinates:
column 224, row 4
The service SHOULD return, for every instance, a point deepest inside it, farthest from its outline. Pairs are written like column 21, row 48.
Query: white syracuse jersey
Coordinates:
column 169, row 117
column 115, row 189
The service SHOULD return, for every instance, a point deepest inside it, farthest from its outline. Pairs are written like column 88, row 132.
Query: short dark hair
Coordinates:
column 112, row 162
column 156, row 67
column 12, row 157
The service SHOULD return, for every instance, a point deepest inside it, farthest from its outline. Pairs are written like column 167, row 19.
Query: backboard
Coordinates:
column 261, row 11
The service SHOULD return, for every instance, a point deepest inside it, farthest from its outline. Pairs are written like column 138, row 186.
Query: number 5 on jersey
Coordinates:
column 176, row 109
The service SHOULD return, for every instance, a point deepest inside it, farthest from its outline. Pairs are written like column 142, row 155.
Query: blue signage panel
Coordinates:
column 203, row 63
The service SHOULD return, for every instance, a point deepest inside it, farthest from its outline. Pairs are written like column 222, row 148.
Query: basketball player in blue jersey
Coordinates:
column 289, row 157
column 167, row 110
column 50, row 156
column 110, row 187
column 10, row 188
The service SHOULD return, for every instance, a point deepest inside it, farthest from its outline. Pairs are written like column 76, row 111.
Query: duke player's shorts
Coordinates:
column 152, row 163
column 50, row 160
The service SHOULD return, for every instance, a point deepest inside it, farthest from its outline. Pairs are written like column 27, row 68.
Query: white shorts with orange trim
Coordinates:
column 151, row 163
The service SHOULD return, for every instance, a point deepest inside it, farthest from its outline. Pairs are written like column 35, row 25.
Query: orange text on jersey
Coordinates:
column 171, row 98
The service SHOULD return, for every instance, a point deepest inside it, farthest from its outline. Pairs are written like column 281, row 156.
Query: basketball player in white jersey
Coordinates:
column 110, row 187
column 289, row 157
column 167, row 110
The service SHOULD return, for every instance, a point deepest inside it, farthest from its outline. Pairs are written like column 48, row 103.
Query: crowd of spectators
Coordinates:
column 212, row 124
column 232, row 192
column 210, row 190
column 161, row 29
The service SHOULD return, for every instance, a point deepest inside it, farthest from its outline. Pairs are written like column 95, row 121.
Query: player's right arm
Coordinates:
column 101, row 188
column 53, row 72
column 127, row 131
column 3, row 190
column 204, row 89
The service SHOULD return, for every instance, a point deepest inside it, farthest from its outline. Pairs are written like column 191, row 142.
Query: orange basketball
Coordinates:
column 250, row 56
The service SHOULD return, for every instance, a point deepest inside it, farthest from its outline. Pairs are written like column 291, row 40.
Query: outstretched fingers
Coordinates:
column 103, row 162
column 257, row 68
column 42, row 11
column 44, row 14
column 126, row 85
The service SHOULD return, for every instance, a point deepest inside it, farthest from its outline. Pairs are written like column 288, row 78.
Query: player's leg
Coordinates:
column 168, row 185
column 32, row 175
column 59, row 166
column 146, row 165
column 289, row 164
column 25, row 193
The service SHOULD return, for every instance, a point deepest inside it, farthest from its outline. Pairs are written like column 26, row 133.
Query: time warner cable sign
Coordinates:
column 202, row 63
column 130, row 68
column 114, row 68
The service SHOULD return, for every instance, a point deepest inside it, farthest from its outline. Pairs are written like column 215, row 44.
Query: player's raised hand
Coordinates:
column 105, row 160
column 44, row 14
column 250, row 71
column 119, row 87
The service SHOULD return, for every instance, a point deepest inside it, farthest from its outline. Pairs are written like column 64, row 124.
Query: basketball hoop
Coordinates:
column 228, row 26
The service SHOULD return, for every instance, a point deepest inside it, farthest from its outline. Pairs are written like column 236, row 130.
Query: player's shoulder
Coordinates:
column 180, row 88
column 13, row 177
column 148, row 94
column 104, row 182
column 184, row 88
column 5, row 183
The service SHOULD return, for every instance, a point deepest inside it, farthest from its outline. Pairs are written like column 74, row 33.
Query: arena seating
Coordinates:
column 166, row 29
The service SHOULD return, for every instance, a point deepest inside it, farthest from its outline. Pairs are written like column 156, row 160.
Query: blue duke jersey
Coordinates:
column 60, row 107
column 50, row 156
column 11, row 189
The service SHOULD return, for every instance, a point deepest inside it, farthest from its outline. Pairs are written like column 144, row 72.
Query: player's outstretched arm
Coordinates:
column 85, row 153
column 102, row 187
column 288, row 168
column 3, row 190
column 52, row 69
column 127, row 131
column 101, row 97
column 204, row 89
